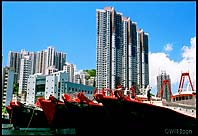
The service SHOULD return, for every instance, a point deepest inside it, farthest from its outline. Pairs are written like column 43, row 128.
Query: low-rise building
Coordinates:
column 35, row 88
column 55, row 84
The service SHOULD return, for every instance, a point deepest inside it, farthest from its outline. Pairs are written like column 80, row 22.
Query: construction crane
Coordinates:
column 181, row 84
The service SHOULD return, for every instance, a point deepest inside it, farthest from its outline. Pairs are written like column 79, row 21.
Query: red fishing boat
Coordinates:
column 88, row 115
column 74, row 112
column 26, row 116
column 137, row 116
column 56, row 113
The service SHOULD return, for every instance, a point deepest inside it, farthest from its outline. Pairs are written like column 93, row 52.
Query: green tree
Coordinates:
column 16, row 88
column 91, row 72
column 4, row 111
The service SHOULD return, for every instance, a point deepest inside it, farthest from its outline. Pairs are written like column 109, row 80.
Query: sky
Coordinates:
column 70, row 27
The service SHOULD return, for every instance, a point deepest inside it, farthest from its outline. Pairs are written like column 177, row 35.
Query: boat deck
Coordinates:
column 181, row 108
column 188, row 112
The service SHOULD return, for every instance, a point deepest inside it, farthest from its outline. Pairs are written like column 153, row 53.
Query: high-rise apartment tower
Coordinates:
column 118, row 45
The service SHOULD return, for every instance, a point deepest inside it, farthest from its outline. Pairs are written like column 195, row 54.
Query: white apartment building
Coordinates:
column 129, row 64
column 142, row 59
column 7, row 85
column 54, row 58
column 70, row 70
column 25, row 72
column 41, row 62
column 50, row 70
column 84, row 78
column 77, row 79
column 35, row 88
column 55, row 84
column 122, row 51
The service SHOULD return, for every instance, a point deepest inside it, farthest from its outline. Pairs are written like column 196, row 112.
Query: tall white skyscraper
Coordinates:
column 51, row 56
column 40, row 62
column 142, row 59
column 117, row 51
column 50, row 59
column 129, row 67
column 60, row 60
column 109, row 48
column 14, row 61
column 54, row 58
column 25, row 72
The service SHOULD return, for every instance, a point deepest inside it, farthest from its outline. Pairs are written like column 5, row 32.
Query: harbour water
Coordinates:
column 8, row 129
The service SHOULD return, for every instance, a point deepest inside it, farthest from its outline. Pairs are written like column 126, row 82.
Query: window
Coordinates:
column 179, row 98
column 182, row 97
column 190, row 97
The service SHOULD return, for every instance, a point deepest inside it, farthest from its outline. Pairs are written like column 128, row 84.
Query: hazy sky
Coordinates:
column 70, row 27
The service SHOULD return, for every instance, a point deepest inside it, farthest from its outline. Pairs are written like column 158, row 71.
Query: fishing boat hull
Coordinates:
column 56, row 114
column 138, row 117
column 88, row 118
column 23, row 116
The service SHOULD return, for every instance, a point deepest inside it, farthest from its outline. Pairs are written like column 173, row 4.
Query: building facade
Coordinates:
column 25, row 72
column 55, row 84
column 109, row 48
column 69, row 68
column 54, row 58
column 7, row 85
column 41, row 62
column 166, row 92
column 129, row 67
column 142, row 59
column 122, row 51
column 14, row 61
column 35, row 88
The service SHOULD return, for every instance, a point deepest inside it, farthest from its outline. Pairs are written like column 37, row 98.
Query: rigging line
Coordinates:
column 30, row 119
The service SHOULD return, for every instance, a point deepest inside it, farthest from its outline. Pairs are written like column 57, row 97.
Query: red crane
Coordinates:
column 181, row 84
